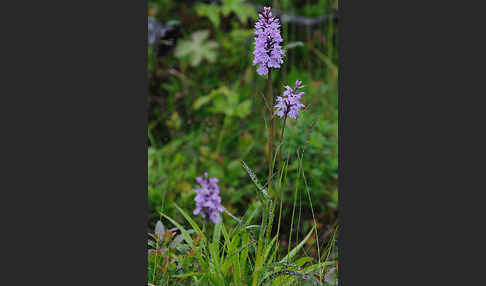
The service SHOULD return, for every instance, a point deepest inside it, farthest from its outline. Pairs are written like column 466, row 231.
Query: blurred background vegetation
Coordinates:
column 206, row 111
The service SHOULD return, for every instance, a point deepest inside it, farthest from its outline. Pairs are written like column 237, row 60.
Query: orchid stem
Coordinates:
column 270, row 130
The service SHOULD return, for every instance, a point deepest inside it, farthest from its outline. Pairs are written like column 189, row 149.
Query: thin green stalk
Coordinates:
column 281, row 141
column 280, row 180
column 259, row 256
column 300, row 201
column 270, row 130
column 277, row 243
column 293, row 208
column 314, row 218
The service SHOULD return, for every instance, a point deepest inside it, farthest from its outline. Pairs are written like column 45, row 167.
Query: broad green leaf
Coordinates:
column 211, row 11
column 197, row 49
column 244, row 109
column 232, row 97
column 245, row 12
column 242, row 10
column 202, row 100
column 220, row 105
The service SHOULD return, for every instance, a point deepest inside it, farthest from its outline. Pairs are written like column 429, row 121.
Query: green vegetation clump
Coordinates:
column 208, row 113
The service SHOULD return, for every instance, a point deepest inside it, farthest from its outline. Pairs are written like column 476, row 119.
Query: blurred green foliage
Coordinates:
column 197, row 48
column 207, row 113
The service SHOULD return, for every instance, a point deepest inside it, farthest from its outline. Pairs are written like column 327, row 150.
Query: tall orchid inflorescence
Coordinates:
column 289, row 103
column 208, row 201
column 268, row 53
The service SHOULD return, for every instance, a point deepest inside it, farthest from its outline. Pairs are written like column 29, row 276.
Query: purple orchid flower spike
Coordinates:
column 208, row 201
column 289, row 103
column 268, row 52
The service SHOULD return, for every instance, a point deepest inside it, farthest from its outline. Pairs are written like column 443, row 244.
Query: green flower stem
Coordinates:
column 270, row 130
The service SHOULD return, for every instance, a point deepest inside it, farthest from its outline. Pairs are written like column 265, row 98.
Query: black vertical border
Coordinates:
column 414, row 156
column 75, row 170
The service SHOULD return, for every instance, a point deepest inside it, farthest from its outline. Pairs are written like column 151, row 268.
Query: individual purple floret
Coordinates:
column 208, row 201
column 268, row 53
column 289, row 103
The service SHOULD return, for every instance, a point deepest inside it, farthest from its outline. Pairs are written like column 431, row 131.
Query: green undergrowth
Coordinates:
column 245, row 253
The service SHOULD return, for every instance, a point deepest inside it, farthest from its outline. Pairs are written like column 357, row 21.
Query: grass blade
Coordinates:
column 268, row 248
column 296, row 249
column 184, row 232
column 191, row 221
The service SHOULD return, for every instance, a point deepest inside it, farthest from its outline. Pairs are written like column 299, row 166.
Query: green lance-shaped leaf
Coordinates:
column 191, row 222
column 268, row 247
column 184, row 232
column 296, row 249
column 302, row 261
